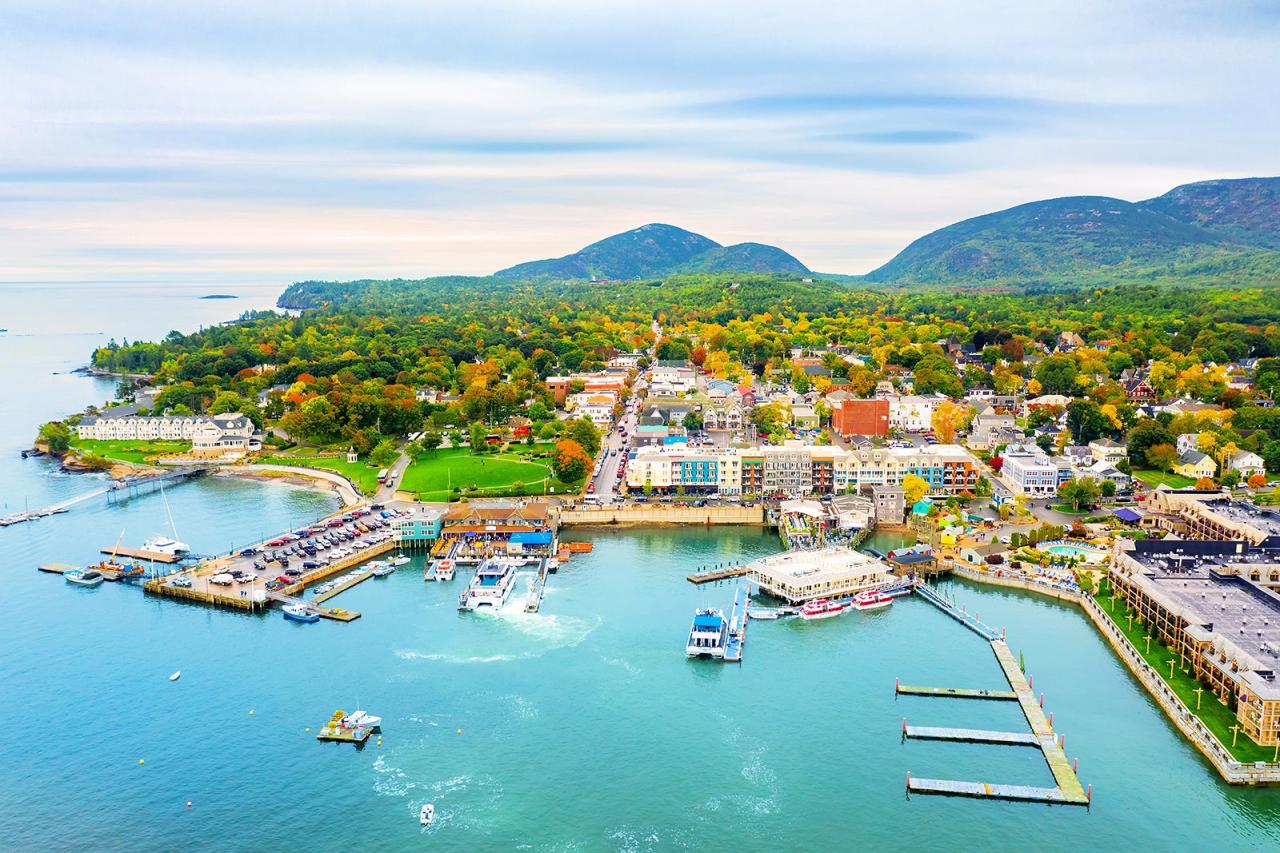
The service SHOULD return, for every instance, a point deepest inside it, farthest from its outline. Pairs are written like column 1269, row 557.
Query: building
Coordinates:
column 860, row 417
column 1209, row 602
column 1212, row 515
column 1195, row 465
column 804, row 417
column 672, row 378
column 1247, row 463
column 1033, row 472
column 911, row 413
column 1106, row 450
column 418, row 526
column 208, row 434
column 596, row 405
column 480, row 529
column 989, row 423
column 891, row 504
column 800, row 576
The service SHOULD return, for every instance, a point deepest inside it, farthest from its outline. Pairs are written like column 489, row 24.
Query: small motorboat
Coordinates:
column 176, row 676
column 383, row 571
column 299, row 613
column 84, row 577
column 361, row 719
column 427, row 814
column 400, row 561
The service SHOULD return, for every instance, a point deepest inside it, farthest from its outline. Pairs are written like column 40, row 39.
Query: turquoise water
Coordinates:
column 1071, row 551
column 583, row 727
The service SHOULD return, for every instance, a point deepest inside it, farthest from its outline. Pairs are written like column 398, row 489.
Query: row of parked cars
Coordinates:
column 322, row 544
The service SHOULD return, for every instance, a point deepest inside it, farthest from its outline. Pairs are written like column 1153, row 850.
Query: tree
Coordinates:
column 1108, row 488
column 584, row 432
column 1078, row 490
column 1086, row 421
column 1204, row 484
column 1057, row 375
column 570, row 460
column 1146, row 433
column 947, row 418
column 431, row 440
column 1230, row 479
column 1257, row 481
column 55, row 436
column 983, row 488
column 538, row 411
column 1162, row 457
column 914, row 488
column 384, row 453
column 478, row 434
column 692, row 421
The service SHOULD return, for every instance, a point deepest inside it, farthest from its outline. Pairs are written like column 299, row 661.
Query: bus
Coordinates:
column 382, row 476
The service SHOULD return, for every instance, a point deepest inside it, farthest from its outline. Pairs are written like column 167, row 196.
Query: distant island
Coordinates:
column 220, row 296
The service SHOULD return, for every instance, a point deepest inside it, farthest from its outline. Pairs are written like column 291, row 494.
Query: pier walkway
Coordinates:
column 985, row 790
column 717, row 574
column 969, row 735
column 969, row 620
column 116, row 486
column 955, row 692
column 737, row 626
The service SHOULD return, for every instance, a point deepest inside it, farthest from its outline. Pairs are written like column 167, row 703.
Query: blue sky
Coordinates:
column 275, row 141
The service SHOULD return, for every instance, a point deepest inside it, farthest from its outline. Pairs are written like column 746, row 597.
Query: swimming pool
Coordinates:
column 1067, row 550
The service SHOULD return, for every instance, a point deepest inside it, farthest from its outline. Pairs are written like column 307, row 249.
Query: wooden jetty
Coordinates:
column 717, row 575
column 139, row 554
column 955, row 692
column 985, row 790
column 56, row 568
column 969, row 620
column 737, row 643
column 970, row 735
column 356, row 577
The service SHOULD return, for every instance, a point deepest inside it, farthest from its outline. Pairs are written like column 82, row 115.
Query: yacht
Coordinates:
column 823, row 608
column 708, row 635
column 384, row 570
column 84, row 577
column 872, row 599
column 299, row 613
column 401, row 560
column 161, row 544
column 491, row 587
column 361, row 719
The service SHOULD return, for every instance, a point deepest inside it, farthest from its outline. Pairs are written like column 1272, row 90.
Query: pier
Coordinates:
column 969, row 620
column 737, row 627
column 337, row 614
column 139, row 554
column 986, row 790
column 127, row 484
column 357, row 577
column 955, row 692
column 717, row 574
column 969, row 735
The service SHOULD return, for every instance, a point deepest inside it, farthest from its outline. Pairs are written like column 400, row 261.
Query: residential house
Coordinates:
column 1106, row 450
column 1195, row 465
column 986, row 422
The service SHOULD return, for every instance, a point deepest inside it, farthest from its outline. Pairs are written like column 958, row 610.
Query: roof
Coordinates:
column 1192, row 457
column 531, row 537
column 707, row 622
column 1126, row 514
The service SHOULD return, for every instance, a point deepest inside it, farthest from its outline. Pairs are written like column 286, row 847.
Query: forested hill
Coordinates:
column 657, row 250
column 1225, row 232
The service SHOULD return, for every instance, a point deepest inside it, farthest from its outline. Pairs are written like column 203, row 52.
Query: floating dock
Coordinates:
column 955, row 692
column 139, row 554
column 737, row 627
column 335, row 613
column 57, row 568
column 358, row 577
column 985, row 790
column 335, row 733
column 969, row 620
column 717, row 575
column 970, row 735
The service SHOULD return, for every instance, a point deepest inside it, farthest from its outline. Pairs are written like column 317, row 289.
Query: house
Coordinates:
column 672, row 378
column 804, row 417
column 912, row 413
column 1137, row 386
column 1068, row 341
column 1106, row 472
column 1195, row 465
column 1106, row 450
column 1247, row 463
column 1185, row 406
column 860, row 417
column 985, row 423
column 1187, row 441
column 596, row 406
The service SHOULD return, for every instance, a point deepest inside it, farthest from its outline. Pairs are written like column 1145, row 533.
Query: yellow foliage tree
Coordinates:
column 947, row 418
column 914, row 488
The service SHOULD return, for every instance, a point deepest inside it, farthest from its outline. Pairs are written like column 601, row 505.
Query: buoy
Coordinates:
column 188, row 804
column 142, row 761
column 250, row 712
column 307, row 729
column 459, row 731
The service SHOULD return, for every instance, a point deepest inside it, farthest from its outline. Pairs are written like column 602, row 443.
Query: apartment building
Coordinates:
column 1033, row 471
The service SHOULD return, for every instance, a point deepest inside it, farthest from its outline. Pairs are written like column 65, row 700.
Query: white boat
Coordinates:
column 84, row 577
column 361, row 720
column 401, row 560
column 444, row 570
column 822, row 609
column 161, row 544
column 491, row 586
column 176, row 676
column 383, row 571
column 427, row 814
column 763, row 613
column 708, row 635
column 872, row 599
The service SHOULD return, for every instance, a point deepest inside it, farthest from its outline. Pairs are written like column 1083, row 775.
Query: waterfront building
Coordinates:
column 834, row 572
column 208, row 434
column 1034, row 472
column 1213, row 515
column 485, row 528
column 418, row 527
column 1206, row 602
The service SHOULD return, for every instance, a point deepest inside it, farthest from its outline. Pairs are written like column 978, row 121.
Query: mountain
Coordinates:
column 1245, row 211
column 657, row 250
column 1216, row 227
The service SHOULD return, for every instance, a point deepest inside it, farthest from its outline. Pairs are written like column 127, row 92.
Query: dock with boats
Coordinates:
column 140, row 554
column 355, row 728
column 717, row 574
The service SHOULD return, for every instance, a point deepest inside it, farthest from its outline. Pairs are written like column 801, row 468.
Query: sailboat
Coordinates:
column 162, row 544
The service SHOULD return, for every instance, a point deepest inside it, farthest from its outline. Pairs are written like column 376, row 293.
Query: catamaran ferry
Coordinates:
column 708, row 635
column 823, row 608
column 491, row 587
column 872, row 599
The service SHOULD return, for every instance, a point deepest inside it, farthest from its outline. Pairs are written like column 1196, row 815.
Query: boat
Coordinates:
column 161, row 544
column 299, row 613
column 383, row 571
column 533, row 598
column 823, row 608
column 444, row 570
column 176, row 676
column 708, row 635
column 491, row 586
column 402, row 560
column 764, row 613
column 427, row 814
column 872, row 599
column 84, row 577
column 361, row 720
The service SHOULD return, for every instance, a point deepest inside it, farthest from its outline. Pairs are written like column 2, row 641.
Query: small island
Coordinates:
column 220, row 296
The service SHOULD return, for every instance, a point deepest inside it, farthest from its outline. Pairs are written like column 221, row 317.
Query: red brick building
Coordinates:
column 860, row 417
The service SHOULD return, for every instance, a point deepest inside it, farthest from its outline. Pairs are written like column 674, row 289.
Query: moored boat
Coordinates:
column 427, row 814
column 872, row 599
column 300, row 614
column 161, row 544
column 401, row 560
column 84, row 577
column 383, row 571
column 491, row 586
column 444, row 570
column 708, row 635
column 823, row 608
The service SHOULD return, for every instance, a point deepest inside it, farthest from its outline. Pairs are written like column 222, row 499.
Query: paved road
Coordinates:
column 607, row 480
column 394, row 475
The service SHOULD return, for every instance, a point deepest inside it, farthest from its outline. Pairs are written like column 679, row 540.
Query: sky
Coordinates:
column 174, row 140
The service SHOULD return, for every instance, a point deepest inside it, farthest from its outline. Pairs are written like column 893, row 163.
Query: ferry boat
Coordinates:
column 708, row 635
column 84, row 577
column 872, row 599
column 823, row 608
column 491, row 587
column 300, row 614
column 444, row 570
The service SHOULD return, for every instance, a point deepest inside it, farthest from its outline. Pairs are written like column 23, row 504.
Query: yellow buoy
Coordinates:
column 459, row 731
column 142, row 761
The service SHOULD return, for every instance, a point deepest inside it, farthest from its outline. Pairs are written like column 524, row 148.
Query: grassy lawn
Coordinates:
column 1068, row 509
column 364, row 476
column 434, row 475
column 139, row 451
column 1168, row 478
column 1217, row 717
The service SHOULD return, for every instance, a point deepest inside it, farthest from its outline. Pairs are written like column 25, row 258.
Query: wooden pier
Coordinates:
column 737, row 643
column 56, row 568
column 335, row 613
column 139, row 554
column 357, row 577
column 717, row 575
column 970, row 735
column 985, row 790
column 955, row 692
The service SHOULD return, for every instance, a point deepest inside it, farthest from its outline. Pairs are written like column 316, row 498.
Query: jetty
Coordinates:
column 335, row 613
column 353, row 579
column 737, row 626
column 960, row 614
column 717, row 574
column 969, row 735
column 128, row 484
column 139, row 554
column 57, row 568
column 986, row 790
column 954, row 692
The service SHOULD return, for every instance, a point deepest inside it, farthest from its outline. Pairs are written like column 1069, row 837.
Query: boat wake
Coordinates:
column 627, row 666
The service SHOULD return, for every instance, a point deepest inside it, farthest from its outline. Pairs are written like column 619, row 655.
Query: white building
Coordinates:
column 226, row 432
column 912, row 413
column 1247, row 463
column 672, row 379
column 1034, row 472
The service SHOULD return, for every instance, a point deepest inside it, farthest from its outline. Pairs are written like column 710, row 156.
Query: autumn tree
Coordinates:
column 948, row 417
column 570, row 461
column 914, row 488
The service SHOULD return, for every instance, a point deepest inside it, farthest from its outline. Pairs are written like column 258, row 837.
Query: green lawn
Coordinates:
column 130, row 451
column 1217, row 717
column 364, row 476
column 1156, row 478
column 435, row 474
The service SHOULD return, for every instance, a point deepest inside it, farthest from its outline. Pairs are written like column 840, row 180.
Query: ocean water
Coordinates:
column 582, row 727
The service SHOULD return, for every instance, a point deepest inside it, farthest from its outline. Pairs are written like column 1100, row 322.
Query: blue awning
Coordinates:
column 531, row 537
column 1126, row 514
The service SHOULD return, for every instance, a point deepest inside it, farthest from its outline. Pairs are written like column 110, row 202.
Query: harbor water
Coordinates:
column 581, row 727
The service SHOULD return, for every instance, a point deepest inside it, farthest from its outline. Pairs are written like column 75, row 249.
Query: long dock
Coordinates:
column 335, row 613
column 737, row 627
column 970, row 735
column 955, row 692
column 139, row 554
column 969, row 620
column 717, row 575
column 985, row 790
column 356, row 577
